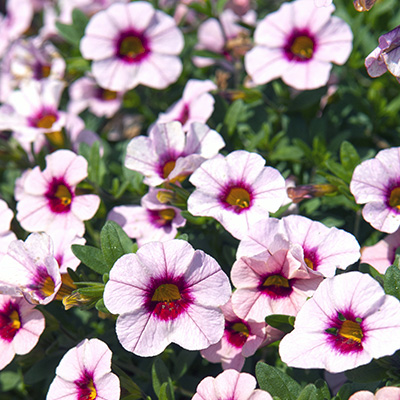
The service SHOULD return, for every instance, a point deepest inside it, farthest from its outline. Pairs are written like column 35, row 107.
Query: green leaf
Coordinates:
column 349, row 156
column 284, row 323
column 323, row 388
column 114, row 243
column 276, row 382
column 73, row 33
column 233, row 114
column 128, row 384
column 9, row 380
column 160, row 375
column 96, row 168
column 220, row 6
column 312, row 392
column 101, row 307
column 184, row 360
column 338, row 170
column 371, row 372
column 91, row 257
column 92, row 292
column 391, row 280
column 207, row 53
column 167, row 391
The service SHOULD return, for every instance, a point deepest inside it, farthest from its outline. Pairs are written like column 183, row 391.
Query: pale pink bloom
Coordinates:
column 239, row 7
column 385, row 393
column 276, row 281
column 376, row 182
column 196, row 104
column 16, row 21
column 218, row 37
column 381, row 255
column 167, row 292
column 6, row 236
column 348, row 322
column 152, row 221
column 230, row 385
column 47, row 200
column 29, row 58
column 31, row 269
column 132, row 44
column 323, row 3
column 85, row 93
column 324, row 249
column 241, row 339
column 170, row 154
column 85, row 373
column 386, row 57
column 298, row 43
column 20, row 327
column 237, row 190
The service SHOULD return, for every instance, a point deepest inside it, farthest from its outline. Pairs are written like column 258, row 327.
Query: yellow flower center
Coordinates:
column 131, row 47
column 56, row 138
column 46, row 69
column 166, row 292
column 351, row 330
column 108, row 95
column 48, row 286
column 15, row 321
column 303, row 47
column 238, row 197
column 276, row 280
column 63, row 194
column 309, row 263
column 394, row 200
column 167, row 215
column 93, row 393
column 46, row 122
column 241, row 328
column 168, row 168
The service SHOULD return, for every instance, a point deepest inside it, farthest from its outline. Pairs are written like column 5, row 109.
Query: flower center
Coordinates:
column 167, row 215
column 59, row 196
column 46, row 122
column 276, row 286
column 168, row 168
column 166, row 293
column 302, row 47
column 86, row 388
column 239, row 198
column 276, row 280
column 168, row 301
column 309, row 263
column 47, row 287
column 394, row 200
column 10, row 322
column 351, row 330
column 237, row 333
column 131, row 47
column 183, row 118
column 106, row 95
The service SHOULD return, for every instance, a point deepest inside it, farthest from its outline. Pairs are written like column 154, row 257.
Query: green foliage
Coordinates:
column 284, row 323
column 73, row 33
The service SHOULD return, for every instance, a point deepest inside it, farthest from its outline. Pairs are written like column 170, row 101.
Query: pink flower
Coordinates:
column 241, row 339
column 381, row 255
column 230, row 385
column 385, row 393
column 85, row 373
column 347, row 322
column 167, row 292
column 30, row 269
column 20, row 327
column 47, row 199
column 170, row 154
column 152, row 221
column 132, row 44
column 237, row 190
column 276, row 281
column 196, row 104
column 298, row 43
column 386, row 56
column 324, row 249
column 376, row 182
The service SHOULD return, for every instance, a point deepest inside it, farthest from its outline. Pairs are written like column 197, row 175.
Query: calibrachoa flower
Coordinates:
column 324, row 249
column 84, row 373
column 170, row 154
column 167, row 292
column 386, row 56
column 276, row 281
column 20, row 327
column 376, row 182
column 385, row 393
column 298, row 43
column 196, row 104
column 237, row 190
column 347, row 322
column 152, row 221
column 31, row 269
column 230, row 385
column 241, row 339
column 132, row 44
column 47, row 200
column 381, row 255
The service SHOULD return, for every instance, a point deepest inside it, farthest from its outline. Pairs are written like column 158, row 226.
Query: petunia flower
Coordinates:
column 386, row 56
column 48, row 200
column 382, row 255
column 348, row 322
column 324, row 249
column 167, row 292
column 20, row 327
column 85, row 373
column 241, row 339
column 376, row 183
column 298, row 43
column 230, row 385
column 170, row 154
column 30, row 269
column 385, row 393
column 132, row 44
column 237, row 190
column 152, row 221
column 196, row 104
column 276, row 281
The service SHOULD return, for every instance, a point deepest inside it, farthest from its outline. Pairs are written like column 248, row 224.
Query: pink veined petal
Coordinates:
column 168, row 138
column 7, row 353
column 363, row 395
column 245, row 166
column 195, row 88
column 140, row 15
column 270, row 34
column 210, row 36
column 306, row 15
column 232, row 384
column 206, row 390
column 85, row 206
column 202, row 140
column 108, row 387
column 381, row 217
column 260, row 395
column 375, row 64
